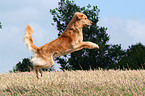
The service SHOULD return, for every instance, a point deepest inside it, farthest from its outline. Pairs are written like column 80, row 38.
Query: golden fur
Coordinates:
column 69, row 41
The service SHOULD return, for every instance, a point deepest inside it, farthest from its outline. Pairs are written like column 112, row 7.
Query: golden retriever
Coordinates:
column 69, row 41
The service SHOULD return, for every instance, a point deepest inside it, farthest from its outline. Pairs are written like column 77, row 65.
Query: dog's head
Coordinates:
column 82, row 18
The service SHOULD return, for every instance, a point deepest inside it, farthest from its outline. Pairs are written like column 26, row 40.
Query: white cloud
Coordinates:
column 14, row 15
column 136, row 29
column 20, row 12
column 124, row 32
column 9, row 5
column 13, row 49
column 41, row 35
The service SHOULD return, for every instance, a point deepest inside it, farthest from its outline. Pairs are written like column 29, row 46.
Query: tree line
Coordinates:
column 109, row 56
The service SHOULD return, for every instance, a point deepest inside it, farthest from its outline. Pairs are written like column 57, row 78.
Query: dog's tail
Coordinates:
column 28, row 39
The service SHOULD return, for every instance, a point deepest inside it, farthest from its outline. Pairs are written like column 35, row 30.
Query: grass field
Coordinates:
column 74, row 83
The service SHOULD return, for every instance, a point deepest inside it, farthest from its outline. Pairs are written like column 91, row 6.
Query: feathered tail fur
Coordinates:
column 29, row 40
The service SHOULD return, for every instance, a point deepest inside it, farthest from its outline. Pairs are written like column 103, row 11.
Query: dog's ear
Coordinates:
column 79, row 16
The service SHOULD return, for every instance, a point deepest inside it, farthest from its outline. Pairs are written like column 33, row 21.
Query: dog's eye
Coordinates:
column 85, row 18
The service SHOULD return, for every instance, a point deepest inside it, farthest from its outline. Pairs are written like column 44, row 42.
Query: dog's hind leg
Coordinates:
column 36, row 68
column 40, row 71
column 47, row 64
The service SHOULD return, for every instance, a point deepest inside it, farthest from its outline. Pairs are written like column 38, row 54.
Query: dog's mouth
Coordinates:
column 87, row 25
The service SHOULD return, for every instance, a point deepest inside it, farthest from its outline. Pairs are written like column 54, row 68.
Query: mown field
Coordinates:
column 74, row 83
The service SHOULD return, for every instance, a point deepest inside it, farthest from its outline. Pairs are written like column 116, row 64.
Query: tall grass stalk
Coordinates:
column 74, row 83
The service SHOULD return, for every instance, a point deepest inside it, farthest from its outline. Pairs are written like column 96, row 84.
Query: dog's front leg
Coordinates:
column 86, row 44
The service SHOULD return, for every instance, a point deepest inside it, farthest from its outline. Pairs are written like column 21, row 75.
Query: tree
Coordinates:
column 115, row 53
column 0, row 26
column 85, row 58
column 49, row 69
column 27, row 66
column 23, row 66
column 134, row 58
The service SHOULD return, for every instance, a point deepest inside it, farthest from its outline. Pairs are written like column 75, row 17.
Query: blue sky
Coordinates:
column 125, row 20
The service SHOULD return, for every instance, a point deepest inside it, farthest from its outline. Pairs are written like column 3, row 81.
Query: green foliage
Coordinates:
column 23, row 66
column 26, row 65
column 114, row 54
column 0, row 26
column 86, row 58
column 134, row 58
column 49, row 69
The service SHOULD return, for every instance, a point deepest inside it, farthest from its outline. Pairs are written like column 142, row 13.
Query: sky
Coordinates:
column 124, row 19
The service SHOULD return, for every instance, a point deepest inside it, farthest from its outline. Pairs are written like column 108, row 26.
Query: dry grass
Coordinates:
column 74, row 83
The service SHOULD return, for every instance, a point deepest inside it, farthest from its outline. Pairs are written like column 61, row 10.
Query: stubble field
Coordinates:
column 74, row 83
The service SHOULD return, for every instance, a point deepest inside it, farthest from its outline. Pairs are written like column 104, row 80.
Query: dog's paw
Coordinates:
column 96, row 47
